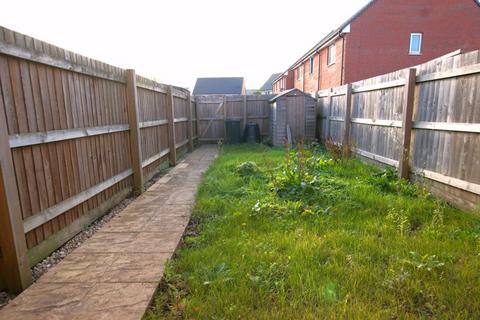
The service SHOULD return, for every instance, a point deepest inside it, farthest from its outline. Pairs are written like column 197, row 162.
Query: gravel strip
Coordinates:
column 5, row 297
column 58, row 255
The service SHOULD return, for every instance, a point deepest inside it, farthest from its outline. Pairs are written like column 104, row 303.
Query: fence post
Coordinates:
column 408, row 100
column 225, row 117
column 197, row 120
column 245, row 112
column 347, row 120
column 171, row 127
column 318, row 120
column 329, row 114
column 15, row 272
column 190, row 123
column 133, row 120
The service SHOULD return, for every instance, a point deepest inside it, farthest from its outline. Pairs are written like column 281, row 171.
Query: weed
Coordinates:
column 247, row 168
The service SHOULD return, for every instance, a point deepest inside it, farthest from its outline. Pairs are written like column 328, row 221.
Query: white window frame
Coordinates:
column 412, row 35
column 331, row 54
column 299, row 73
column 312, row 65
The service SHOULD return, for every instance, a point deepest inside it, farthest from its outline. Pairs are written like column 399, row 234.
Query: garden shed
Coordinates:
column 292, row 113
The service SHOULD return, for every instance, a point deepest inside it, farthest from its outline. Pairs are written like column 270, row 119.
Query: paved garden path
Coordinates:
column 114, row 274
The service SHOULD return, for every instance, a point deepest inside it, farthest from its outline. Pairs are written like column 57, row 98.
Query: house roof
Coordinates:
column 268, row 85
column 296, row 92
column 227, row 85
column 329, row 36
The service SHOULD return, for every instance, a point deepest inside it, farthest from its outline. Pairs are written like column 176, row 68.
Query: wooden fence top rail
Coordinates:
column 43, row 58
column 379, row 86
column 457, row 72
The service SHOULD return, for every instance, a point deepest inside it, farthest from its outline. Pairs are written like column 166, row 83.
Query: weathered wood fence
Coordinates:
column 425, row 121
column 214, row 109
column 76, row 137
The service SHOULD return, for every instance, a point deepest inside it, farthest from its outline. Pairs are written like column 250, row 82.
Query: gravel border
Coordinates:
column 58, row 255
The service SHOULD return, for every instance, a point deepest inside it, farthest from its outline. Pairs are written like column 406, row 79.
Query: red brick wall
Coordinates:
column 331, row 75
column 298, row 80
column 379, row 39
column 311, row 79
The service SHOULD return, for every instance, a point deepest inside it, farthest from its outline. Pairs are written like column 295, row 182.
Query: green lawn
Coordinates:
column 301, row 236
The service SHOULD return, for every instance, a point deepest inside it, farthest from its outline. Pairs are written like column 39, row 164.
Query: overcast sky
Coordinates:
column 177, row 41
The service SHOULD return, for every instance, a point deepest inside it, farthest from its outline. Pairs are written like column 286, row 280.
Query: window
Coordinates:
column 299, row 73
column 331, row 55
column 415, row 43
column 311, row 65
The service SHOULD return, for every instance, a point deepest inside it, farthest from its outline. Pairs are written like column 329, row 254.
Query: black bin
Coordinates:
column 252, row 133
column 233, row 134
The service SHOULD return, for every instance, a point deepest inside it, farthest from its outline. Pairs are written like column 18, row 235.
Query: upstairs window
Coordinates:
column 299, row 73
column 415, row 43
column 311, row 65
column 331, row 55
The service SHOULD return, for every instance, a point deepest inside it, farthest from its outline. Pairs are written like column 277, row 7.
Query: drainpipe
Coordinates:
column 319, row 68
column 343, row 58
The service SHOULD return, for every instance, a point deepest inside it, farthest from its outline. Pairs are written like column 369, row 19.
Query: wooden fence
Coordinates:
column 214, row 109
column 425, row 121
column 76, row 137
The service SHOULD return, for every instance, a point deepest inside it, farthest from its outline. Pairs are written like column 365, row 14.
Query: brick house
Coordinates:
column 384, row 36
column 283, row 82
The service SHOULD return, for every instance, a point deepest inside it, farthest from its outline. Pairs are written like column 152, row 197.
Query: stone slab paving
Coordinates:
column 115, row 273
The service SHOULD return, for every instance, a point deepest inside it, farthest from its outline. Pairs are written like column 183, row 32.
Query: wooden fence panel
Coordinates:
column 210, row 115
column 376, row 117
column 154, row 133
column 181, row 115
column 69, row 135
column 444, row 154
column 337, row 114
column 258, row 110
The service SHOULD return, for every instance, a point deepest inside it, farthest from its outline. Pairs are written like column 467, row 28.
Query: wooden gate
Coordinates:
column 212, row 110
column 211, row 114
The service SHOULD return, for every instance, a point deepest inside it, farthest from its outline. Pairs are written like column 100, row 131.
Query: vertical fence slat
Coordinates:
column 245, row 113
column 14, row 265
column 225, row 116
column 197, row 121
column 406, row 135
column 171, row 126
column 190, row 124
column 133, row 119
column 347, row 119
column 329, row 114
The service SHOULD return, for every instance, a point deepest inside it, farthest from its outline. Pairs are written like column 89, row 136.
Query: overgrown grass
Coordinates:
column 301, row 236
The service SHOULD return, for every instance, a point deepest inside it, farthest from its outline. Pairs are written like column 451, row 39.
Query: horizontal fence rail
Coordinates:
column 77, row 136
column 437, row 142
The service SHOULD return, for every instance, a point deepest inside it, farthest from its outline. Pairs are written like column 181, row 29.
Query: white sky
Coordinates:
column 177, row 41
